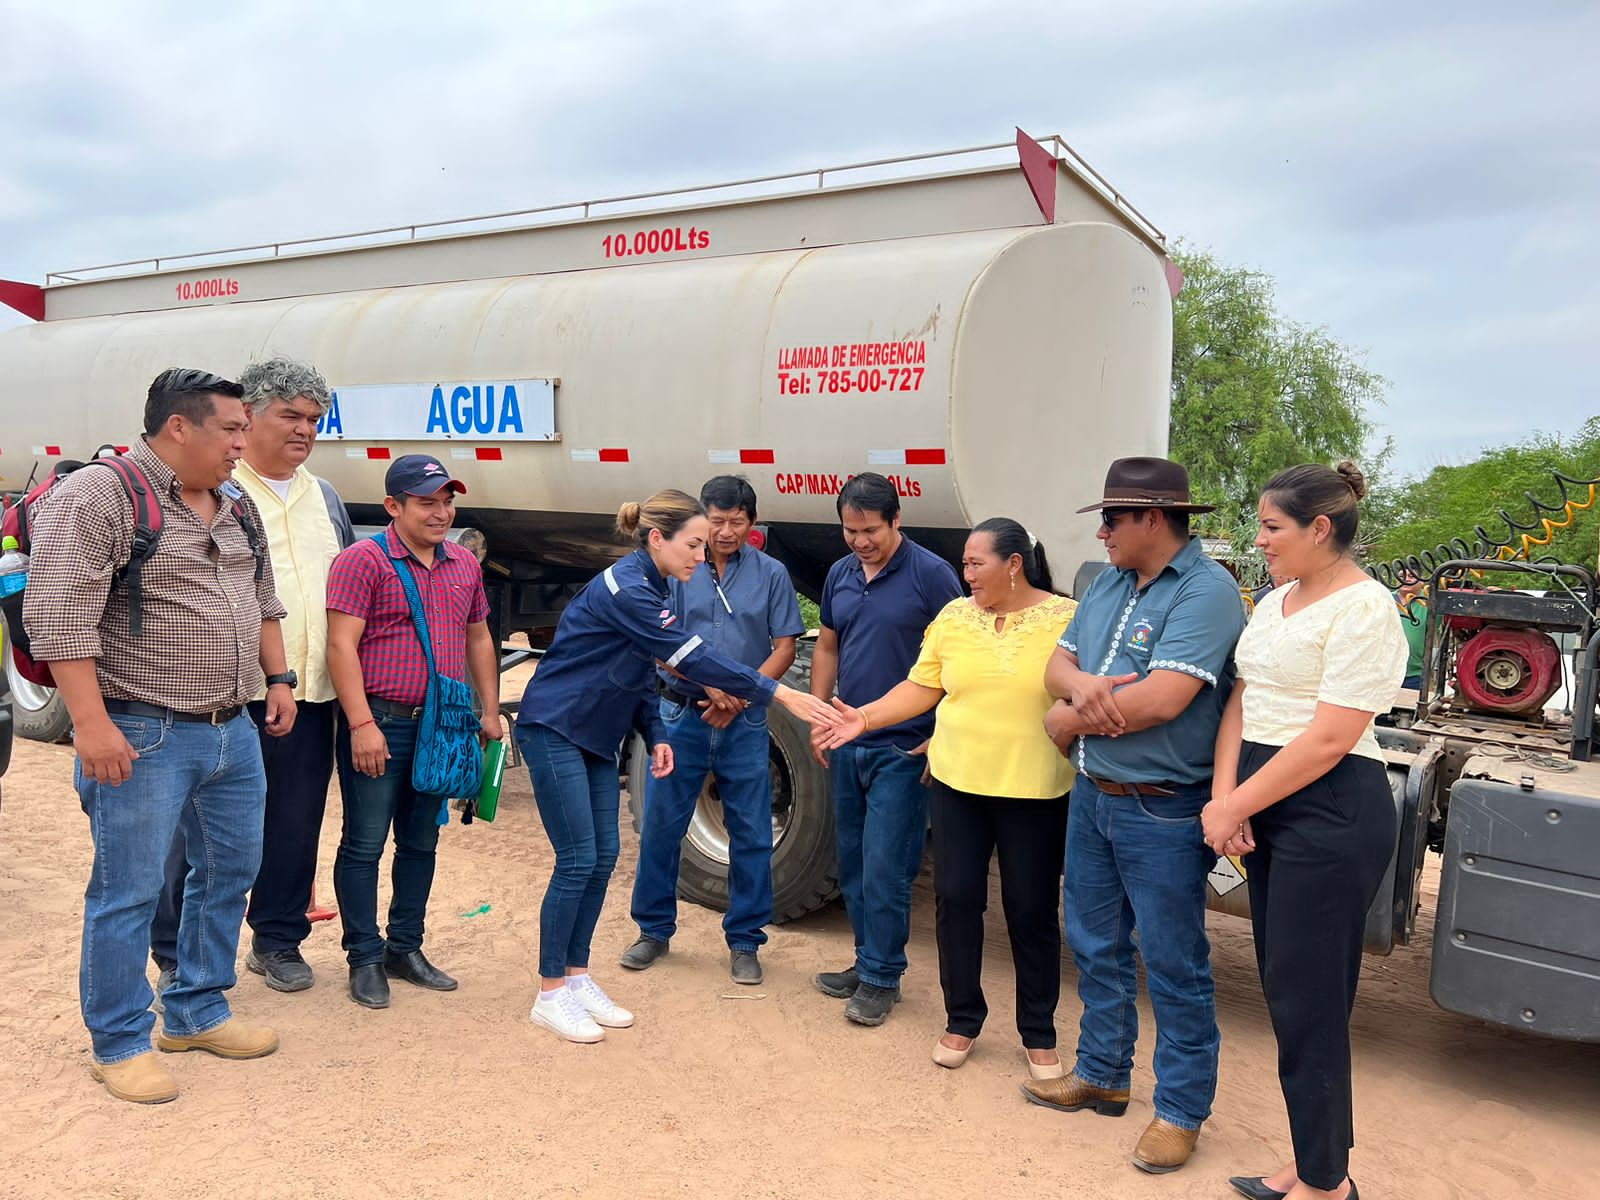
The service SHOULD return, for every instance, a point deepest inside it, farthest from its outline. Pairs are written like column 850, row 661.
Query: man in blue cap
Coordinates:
column 381, row 675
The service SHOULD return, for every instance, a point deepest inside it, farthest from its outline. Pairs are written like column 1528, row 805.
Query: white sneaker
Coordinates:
column 562, row 1014
column 597, row 1004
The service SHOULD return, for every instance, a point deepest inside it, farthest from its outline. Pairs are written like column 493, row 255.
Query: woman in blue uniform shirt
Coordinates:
column 596, row 681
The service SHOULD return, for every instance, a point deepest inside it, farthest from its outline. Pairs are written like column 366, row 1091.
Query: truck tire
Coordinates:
column 804, row 874
column 38, row 713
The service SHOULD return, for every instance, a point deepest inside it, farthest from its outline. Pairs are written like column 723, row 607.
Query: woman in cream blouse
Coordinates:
column 999, row 783
column 1301, row 792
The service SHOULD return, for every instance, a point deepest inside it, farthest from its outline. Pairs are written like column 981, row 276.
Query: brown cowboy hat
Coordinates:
column 1148, row 483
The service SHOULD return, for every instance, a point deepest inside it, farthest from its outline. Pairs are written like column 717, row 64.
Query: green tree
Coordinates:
column 1449, row 503
column 1253, row 392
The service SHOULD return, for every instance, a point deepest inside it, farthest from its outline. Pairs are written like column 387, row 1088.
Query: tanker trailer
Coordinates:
column 989, row 338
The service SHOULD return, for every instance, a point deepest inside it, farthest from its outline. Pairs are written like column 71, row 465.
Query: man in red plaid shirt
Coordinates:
column 380, row 672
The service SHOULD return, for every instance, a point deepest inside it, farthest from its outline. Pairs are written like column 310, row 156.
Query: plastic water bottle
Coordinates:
column 13, row 568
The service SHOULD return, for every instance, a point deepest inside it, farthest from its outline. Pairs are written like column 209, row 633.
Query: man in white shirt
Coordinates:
column 307, row 526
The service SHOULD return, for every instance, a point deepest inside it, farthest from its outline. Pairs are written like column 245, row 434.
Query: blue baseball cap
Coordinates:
column 418, row 475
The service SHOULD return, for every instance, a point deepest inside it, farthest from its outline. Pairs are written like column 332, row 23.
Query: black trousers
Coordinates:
column 1319, row 859
column 1031, row 837
column 299, row 768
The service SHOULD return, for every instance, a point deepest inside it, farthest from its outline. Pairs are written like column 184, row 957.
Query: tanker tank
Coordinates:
column 936, row 329
column 988, row 337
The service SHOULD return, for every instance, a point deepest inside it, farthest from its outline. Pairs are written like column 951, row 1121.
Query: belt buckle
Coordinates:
column 217, row 717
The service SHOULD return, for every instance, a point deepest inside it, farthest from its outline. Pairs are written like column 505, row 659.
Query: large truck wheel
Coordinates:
column 804, row 875
column 38, row 713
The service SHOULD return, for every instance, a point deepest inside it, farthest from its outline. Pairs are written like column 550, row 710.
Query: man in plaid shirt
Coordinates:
column 163, row 740
column 380, row 673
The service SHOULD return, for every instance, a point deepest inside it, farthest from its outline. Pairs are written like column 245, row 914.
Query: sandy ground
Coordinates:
column 770, row 1093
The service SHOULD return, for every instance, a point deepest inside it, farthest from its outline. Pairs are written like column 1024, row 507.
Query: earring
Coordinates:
column 1013, row 581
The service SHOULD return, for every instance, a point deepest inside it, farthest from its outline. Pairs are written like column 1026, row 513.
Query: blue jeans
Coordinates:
column 371, row 807
column 577, row 794
column 298, row 766
column 881, row 822
column 206, row 783
column 1139, row 862
column 737, row 758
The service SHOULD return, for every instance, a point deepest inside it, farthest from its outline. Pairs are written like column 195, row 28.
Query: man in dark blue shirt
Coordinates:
column 876, row 603
column 742, row 603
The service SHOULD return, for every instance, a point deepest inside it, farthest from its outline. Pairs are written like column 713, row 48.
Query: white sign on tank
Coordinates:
column 501, row 410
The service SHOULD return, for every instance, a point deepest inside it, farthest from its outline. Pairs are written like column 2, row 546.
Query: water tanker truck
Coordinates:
column 988, row 334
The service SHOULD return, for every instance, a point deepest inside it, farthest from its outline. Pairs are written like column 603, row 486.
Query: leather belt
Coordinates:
column 1112, row 788
column 137, row 708
column 393, row 708
column 674, row 696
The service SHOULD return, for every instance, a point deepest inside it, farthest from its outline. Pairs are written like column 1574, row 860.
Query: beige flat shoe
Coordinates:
column 1044, row 1070
column 949, row 1056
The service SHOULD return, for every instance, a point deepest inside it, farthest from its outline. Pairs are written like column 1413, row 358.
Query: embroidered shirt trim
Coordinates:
column 1169, row 664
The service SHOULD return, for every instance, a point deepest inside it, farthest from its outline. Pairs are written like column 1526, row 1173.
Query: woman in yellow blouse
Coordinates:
column 999, row 783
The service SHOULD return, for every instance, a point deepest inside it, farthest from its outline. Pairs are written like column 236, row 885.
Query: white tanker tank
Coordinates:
column 937, row 329
column 989, row 338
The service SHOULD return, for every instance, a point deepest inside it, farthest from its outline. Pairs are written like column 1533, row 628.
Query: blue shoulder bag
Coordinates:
column 448, row 760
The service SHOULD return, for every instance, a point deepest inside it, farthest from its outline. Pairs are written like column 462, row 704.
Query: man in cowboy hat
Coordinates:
column 1141, row 677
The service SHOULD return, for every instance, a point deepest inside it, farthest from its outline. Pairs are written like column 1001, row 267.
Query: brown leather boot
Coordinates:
column 1164, row 1147
column 140, row 1079
column 232, row 1039
column 1069, row 1093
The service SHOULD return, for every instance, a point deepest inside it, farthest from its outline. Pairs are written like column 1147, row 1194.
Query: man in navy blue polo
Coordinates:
column 1142, row 675
column 876, row 603
column 741, row 603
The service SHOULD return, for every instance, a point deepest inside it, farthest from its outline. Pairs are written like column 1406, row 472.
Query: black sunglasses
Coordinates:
column 1110, row 516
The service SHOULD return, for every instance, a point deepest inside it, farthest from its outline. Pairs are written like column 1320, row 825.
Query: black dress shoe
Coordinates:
column 1255, row 1187
column 369, row 986
column 414, row 968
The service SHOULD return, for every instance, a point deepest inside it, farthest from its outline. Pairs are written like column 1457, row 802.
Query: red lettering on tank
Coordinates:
column 648, row 243
column 852, row 368
column 206, row 289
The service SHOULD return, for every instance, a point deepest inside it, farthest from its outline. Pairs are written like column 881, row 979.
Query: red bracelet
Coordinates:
column 364, row 724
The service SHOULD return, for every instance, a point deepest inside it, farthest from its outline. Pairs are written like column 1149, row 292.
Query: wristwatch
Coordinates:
column 288, row 677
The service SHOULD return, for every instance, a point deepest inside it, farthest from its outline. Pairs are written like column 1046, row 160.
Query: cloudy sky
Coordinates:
column 1421, row 179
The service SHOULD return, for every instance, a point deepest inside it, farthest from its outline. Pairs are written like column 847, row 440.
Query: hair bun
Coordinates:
column 1351, row 474
column 628, row 518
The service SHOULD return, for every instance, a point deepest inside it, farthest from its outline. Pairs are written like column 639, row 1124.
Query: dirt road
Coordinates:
column 769, row 1094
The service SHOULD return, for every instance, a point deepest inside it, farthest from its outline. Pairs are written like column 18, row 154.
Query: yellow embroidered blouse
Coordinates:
column 988, row 735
